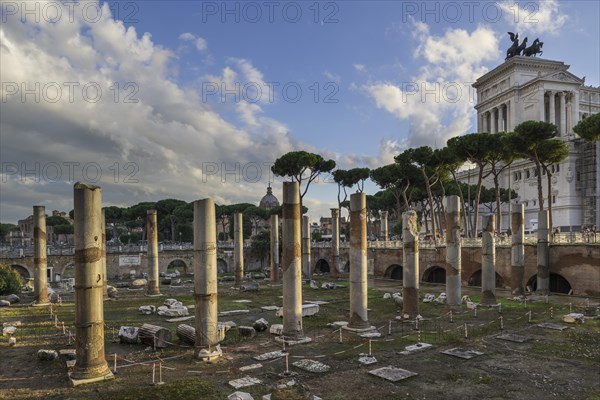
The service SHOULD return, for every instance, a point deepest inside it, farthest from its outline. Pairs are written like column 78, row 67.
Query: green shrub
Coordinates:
column 10, row 281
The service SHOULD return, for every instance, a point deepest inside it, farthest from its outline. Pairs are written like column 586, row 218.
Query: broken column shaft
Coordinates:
column 205, row 280
column 152, row 237
column 543, row 254
column 40, row 276
column 517, row 270
column 488, row 261
column 90, row 365
column 306, row 246
column 238, row 248
column 358, row 263
column 274, row 259
column 104, row 275
column 384, row 225
column 291, row 262
column 453, row 250
column 410, row 271
column 335, row 242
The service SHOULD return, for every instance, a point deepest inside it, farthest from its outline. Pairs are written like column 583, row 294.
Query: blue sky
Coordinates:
column 354, row 62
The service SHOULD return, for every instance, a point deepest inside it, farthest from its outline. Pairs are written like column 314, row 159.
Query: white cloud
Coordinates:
column 332, row 77
column 144, row 127
column 438, row 101
column 199, row 42
column 535, row 18
column 359, row 67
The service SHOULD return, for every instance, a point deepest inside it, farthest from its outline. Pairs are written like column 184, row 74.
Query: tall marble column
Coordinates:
column 488, row 261
column 517, row 258
column 90, row 364
column 291, row 262
column 552, row 107
column 493, row 113
column 104, row 272
column 453, row 251
column 543, row 254
column 562, row 114
column 40, row 261
column 238, row 248
column 306, row 246
column 501, row 118
column 152, row 237
column 410, row 271
column 335, row 242
column 274, row 259
column 205, row 281
column 358, row 260
column 384, row 225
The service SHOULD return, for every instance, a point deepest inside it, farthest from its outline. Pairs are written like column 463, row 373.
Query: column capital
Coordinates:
column 561, row 94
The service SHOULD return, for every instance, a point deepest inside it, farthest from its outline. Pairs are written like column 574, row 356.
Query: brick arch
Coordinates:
column 322, row 266
column 186, row 267
column 475, row 279
column 558, row 283
column 394, row 271
column 434, row 274
column 22, row 270
column 221, row 265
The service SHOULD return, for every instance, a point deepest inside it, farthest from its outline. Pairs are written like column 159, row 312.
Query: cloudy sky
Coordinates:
column 191, row 99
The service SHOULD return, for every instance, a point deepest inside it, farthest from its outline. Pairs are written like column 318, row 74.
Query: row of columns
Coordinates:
column 496, row 119
column 568, row 110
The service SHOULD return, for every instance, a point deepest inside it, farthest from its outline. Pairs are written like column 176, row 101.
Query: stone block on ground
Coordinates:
column 261, row 325
column 511, row 337
column 4, row 303
column 328, row 285
column 392, row 374
column 311, row 365
column 8, row 331
column 307, row 310
column 313, row 284
column 244, row 382
column 129, row 334
column 574, row 318
column 270, row 308
column 276, row 329
column 247, row 331
column 232, row 312
column 415, row 347
column 137, row 283
column 428, row 298
column 366, row 359
column 13, row 298
column 112, row 292
column 147, row 310
column 67, row 354
column 240, row 396
column 47, row 355
column 461, row 353
column 250, row 367
column 270, row 356
column 174, row 312
column 550, row 325
column 249, row 287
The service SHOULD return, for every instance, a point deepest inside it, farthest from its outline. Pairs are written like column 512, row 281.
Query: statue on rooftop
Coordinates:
column 515, row 49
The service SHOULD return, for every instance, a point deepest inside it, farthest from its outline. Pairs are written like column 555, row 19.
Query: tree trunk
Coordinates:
column 462, row 201
column 430, row 197
column 538, row 168
column 498, row 209
column 477, row 197
column 173, row 227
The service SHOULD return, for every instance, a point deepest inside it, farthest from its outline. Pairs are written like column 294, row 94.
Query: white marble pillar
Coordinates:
column 306, row 246
column 552, row 107
column 453, row 251
column 543, row 254
column 493, row 118
column 274, row 259
column 517, row 273
column 238, row 248
column 152, row 252
column 335, row 242
column 40, row 261
column 501, row 118
column 488, row 261
column 410, row 258
column 562, row 114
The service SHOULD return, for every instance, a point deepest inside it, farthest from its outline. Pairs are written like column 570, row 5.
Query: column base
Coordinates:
column 358, row 329
column 291, row 341
column 40, row 304
column 83, row 381
column 208, row 356
column 154, row 294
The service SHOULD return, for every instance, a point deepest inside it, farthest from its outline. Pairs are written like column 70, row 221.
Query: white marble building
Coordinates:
column 528, row 88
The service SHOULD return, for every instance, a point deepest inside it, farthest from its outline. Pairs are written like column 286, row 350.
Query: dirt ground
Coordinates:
column 550, row 364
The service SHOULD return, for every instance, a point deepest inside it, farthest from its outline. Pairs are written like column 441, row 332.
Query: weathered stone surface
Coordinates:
column 328, row 285
column 227, row 325
column 250, row 287
column 392, row 374
column 338, row 324
column 276, row 329
column 270, row 356
column 172, row 303
column 240, row 396
column 387, row 296
column 261, row 325
column 574, row 318
column 370, row 335
column 129, row 334
column 514, row 338
column 242, row 301
column 47, row 355
column 247, row 331
column 311, row 365
column 366, row 359
column 174, row 312
column 398, row 299
column 313, row 284
column 136, row 283
column 233, row 312
column 181, row 319
column 13, row 298
column 415, row 347
column 12, row 341
column 112, row 292
column 441, row 298
column 307, row 310
column 245, row 381
column 147, row 310
column 550, row 325
column 250, row 367
column 68, row 354
column 270, row 308
column 428, row 298
column 461, row 353
column 8, row 331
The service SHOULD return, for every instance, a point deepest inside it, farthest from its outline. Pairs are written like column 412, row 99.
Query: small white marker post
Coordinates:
column 56, row 321
column 466, row 331
column 153, row 372
column 369, row 347
column 416, row 324
column 51, row 313
column 63, row 327
column 570, row 308
column 160, row 381
column 551, row 312
column 419, row 337
column 390, row 328
column 287, row 364
column 529, row 320
column 451, row 317
column 341, row 341
column 501, row 323
column 115, row 365
column 475, row 312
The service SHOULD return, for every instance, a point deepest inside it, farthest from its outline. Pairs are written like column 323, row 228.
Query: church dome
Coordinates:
column 268, row 200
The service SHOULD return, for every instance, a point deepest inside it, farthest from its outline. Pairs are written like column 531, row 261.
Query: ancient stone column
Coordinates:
column 410, row 270
column 384, row 226
column 104, row 273
column 358, row 260
column 488, row 261
column 274, row 259
column 562, row 116
column 552, row 107
column 453, row 249
column 543, row 254
column 291, row 262
column 306, row 246
column 90, row 365
column 205, row 280
column 40, row 274
column 517, row 272
column 152, row 237
column 335, row 242
column 238, row 248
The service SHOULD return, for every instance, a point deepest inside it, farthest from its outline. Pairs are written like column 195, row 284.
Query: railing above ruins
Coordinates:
column 558, row 239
